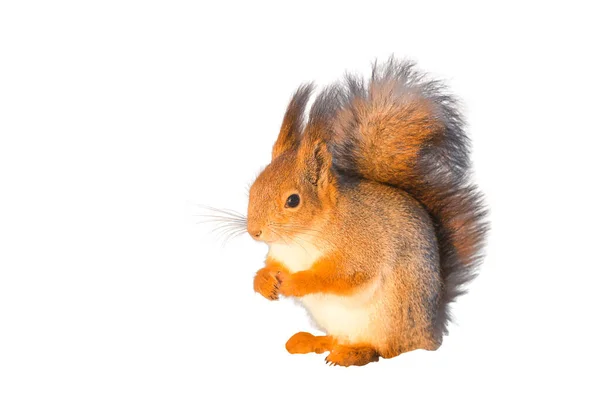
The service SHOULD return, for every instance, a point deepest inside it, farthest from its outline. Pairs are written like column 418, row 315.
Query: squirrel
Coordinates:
column 369, row 213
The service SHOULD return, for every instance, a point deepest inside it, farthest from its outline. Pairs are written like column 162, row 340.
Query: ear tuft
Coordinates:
column 322, row 112
column 293, row 121
column 313, row 152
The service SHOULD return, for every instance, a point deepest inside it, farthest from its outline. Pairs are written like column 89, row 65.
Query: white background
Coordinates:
column 117, row 117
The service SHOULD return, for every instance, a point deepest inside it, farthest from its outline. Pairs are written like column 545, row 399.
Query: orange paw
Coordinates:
column 304, row 342
column 290, row 285
column 346, row 356
column 266, row 284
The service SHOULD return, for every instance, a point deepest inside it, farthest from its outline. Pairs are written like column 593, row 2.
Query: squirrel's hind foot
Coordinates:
column 304, row 342
column 347, row 355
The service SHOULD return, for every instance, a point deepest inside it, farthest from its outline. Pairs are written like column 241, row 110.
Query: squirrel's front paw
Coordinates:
column 288, row 286
column 266, row 284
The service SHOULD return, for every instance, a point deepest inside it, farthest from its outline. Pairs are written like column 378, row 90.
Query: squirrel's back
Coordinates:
column 404, row 130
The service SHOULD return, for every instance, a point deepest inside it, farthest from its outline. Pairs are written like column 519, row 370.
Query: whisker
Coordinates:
column 290, row 232
column 226, row 211
column 318, row 238
column 279, row 235
column 224, row 222
column 221, row 221
column 298, row 228
column 289, row 237
column 227, row 224
column 232, row 232
column 226, row 236
column 227, row 227
column 231, row 237
column 293, row 239
column 226, row 217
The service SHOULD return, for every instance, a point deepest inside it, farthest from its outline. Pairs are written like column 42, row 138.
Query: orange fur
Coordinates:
column 346, row 356
column 380, row 126
column 266, row 280
column 266, row 283
column 325, row 276
column 304, row 342
column 291, row 127
column 387, row 228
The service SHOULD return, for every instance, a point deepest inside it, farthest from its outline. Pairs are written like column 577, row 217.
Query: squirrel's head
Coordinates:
column 296, row 191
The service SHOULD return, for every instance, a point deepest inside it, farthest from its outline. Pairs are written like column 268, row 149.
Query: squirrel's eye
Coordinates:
column 292, row 201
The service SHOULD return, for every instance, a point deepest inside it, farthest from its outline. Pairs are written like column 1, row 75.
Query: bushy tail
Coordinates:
column 402, row 129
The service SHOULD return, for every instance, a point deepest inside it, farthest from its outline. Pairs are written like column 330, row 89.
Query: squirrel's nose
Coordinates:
column 255, row 233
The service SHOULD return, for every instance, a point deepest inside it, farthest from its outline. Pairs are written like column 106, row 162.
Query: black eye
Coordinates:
column 292, row 201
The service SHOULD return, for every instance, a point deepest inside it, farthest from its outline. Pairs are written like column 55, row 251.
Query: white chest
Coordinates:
column 294, row 256
column 345, row 317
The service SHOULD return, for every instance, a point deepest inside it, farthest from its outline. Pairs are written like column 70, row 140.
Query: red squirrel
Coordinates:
column 369, row 213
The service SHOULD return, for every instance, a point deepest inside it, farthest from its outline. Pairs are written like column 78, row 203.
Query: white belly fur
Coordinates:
column 348, row 318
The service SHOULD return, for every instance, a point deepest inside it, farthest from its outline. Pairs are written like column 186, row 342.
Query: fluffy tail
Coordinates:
column 404, row 130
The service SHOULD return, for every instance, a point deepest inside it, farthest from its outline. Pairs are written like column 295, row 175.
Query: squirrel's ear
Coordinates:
column 313, row 153
column 293, row 122
column 317, row 161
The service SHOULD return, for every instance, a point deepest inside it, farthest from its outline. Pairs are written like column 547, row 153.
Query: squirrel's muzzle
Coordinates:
column 254, row 230
column 255, row 233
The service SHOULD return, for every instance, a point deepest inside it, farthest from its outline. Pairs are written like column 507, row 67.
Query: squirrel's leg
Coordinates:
column 266, row 282
column 304, row 342
column 324, row 276
column 347, row 355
